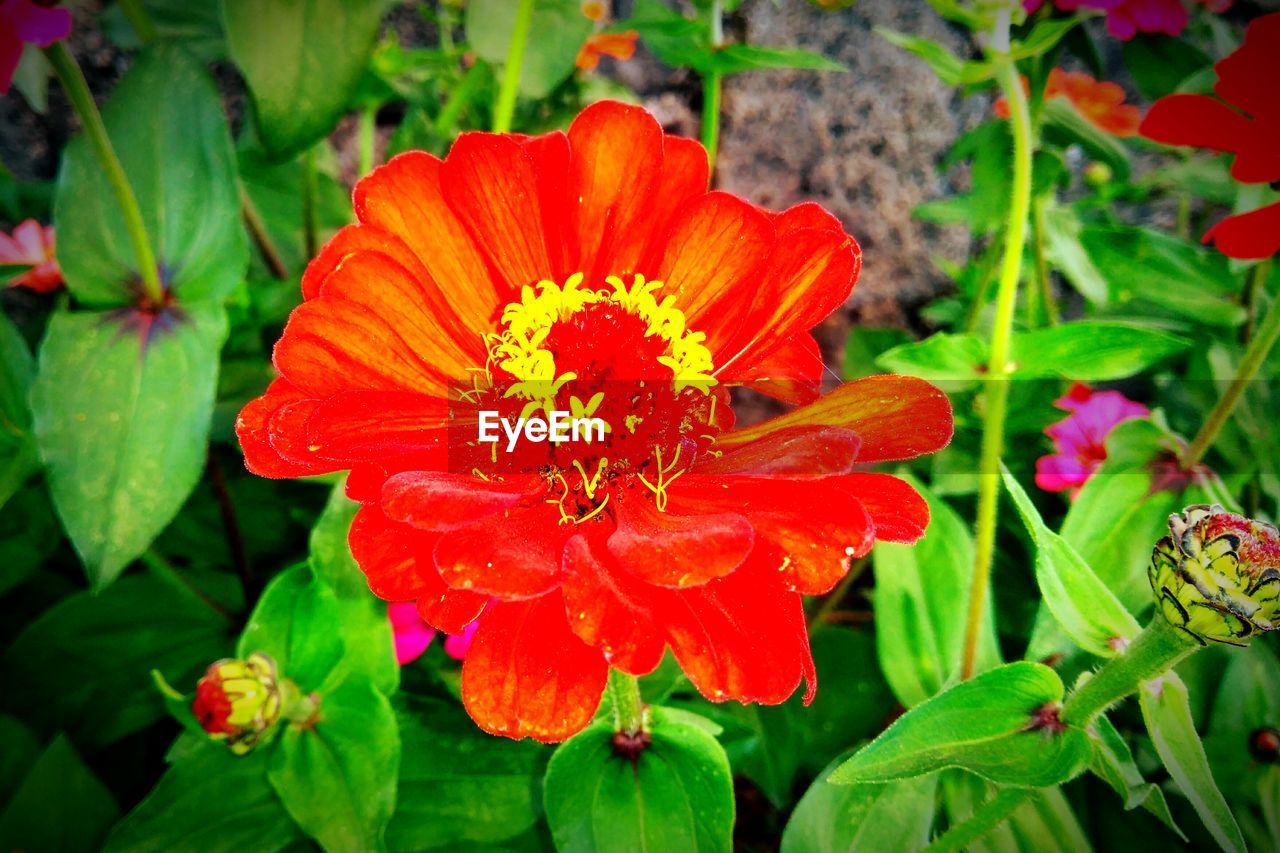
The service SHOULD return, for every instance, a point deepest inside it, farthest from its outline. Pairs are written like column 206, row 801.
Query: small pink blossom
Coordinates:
column 31, row 245
column 1126, row 18
column 23, row 22
column 413, row 636
column 1081, row 438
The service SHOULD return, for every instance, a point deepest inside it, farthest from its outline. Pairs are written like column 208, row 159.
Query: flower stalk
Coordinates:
column 628, row 707
column 997, row 382
column 504, row 108
column 712, row 86
column 77, row 90
column 1154, row 652
column 1260, row 346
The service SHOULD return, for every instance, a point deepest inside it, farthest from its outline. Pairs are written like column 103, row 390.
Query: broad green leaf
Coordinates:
column 60, row 806
column 865, row 345
column 951, row 69
column 736, row 58
column 1113, row 763
column 166, row 122
column 891, row 816
column 337, row 776
column 1090, row 613
column 459, row 785
column 1068, row 255
column 1158, row 63
column 302, row 60
column 855, row 699
column 18, row 457
column 121, row 404
column 1247, row 700
column 983, row 726
column 919, row 628
column 1091, row 351
column 677, row 795
column 1166, row 709
column 296, row 623
column 941, row 356
column 20, row 751
column 209, row 800
column 559, row 29
column 196, row 26
column 84, row 665
column 1065, row 126
column 1151, row 273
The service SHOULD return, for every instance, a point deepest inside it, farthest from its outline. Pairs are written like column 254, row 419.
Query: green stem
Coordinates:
column 164, row 570
column 991, row 814
column 1260, row 346
column 628, row 707
column 1043, row 277
column 310, row 231
column 459, row 97
column 997, row 381
column 77, row 90
column 712, row 86
column 504, row 108
column 261, row 238
column 143, row 26
column 1152, row 653
column 368, row 125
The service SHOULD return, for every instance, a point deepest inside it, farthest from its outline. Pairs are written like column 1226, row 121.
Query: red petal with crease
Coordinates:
column 511, row 554
column 1248, row 236
column 527, row 675
column 253, row 430
column 899, row 513
column 680, row 547
column 439, row 501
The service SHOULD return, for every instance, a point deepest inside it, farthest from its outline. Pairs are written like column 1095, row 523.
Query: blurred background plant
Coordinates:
column 135, row 551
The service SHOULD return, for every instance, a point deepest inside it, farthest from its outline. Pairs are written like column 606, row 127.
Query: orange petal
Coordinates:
column 253, row 428
column 682, row 547
column 527, row 675
column 512, row 554
column 899, row 513
column 439, row 501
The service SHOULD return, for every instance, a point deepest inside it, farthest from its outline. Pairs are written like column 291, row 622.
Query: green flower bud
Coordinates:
column 1217, row 575
column 1097, row 174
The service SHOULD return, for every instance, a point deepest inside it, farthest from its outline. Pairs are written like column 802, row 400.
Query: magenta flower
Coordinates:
column 1081, row 438
column 413, row 636
column 30, row 257
column 1126, row 18
column 23, row 22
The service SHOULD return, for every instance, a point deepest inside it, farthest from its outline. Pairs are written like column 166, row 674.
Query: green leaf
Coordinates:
column 1044, row 36
column 735, row 58
column 84, row 665
column 865, row 345
column 60, row 806
column 1092, row 351
column 337, row 777
column 1247, row 700
column 18, row 458
column 302, row 60
column 197, row 26
column 1047, row 824
column 1113, row 763
column 21, row 749
column 559, row 29
column 1166, row 709
column 981, row 725
column 677, row 795
column 1089, row 612
column 1065, row 251
column 957, row 359
column 854, row 701
column 1159, row 63
column 166, row 123
column 1065, row 126
column 209, row 800
column 121, row 405
column 951, row 69
column 295, row 622
column 919, row 629
column 892, row 816
column 459, row 785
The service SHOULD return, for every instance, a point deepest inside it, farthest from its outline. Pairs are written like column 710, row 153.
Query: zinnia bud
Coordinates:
column 1217, row 575
column 238, row 701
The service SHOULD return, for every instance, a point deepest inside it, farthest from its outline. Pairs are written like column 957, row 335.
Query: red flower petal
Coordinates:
column 1196, row 120
column 511, row 554
column 527, row 675
column 898, row 511
column 685, row 174
column 438, row 501
column 350, row 240
column 404, row 197
column 896, row 417
column 1248, row 236
column 253, row 430
column 800, row 451
column 1246, row 78
column 397, row 562
column 551, row 159
column 378, row 426
column 684, row 546
column 791, row 372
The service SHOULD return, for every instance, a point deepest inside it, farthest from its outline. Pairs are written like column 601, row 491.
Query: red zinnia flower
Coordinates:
column 31, row 245
column 1245, row 122
column 1100, row 102
column 594, row 272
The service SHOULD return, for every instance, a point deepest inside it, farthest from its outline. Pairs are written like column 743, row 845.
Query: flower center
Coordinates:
column 619, row 357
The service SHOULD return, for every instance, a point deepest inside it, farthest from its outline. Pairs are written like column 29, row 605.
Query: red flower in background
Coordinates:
column 23, row 22
column 1245, row 122
column 31, row 245
column 413, row 636
column 1100, row 102
column 1127, row 18
column 621, row 46
column 591, row 271
column 1081, row 438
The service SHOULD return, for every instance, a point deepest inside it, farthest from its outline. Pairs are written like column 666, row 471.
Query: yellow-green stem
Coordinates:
column 712, row 85
column 77, row 90
column 368, row 126
column 628, row 707
column 1155, row 651
column 504, row 108
column 261, row 238
column 143, row 26
column 997, row 382
column 1260, row 346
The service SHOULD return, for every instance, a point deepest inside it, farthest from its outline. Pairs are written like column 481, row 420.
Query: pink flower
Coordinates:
column 31, row 246
column 1125, row 18
column 1081, row 438
column 413, row 636
column 23, row 22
